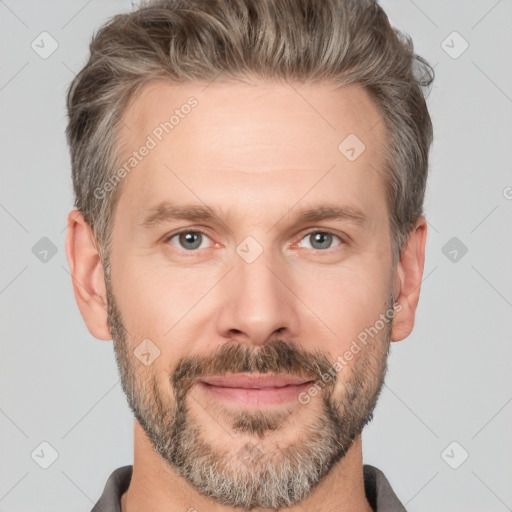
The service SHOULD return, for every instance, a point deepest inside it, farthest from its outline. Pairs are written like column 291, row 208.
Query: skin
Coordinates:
column 258, row 154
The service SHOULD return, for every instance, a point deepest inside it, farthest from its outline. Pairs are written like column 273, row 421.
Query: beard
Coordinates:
column 250, row 474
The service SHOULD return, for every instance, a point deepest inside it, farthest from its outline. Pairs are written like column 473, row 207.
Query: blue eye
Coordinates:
column 320, row 239
column 189, row 240
column 193, row 239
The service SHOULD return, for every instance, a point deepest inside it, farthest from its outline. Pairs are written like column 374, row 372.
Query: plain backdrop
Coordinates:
column 442, row 427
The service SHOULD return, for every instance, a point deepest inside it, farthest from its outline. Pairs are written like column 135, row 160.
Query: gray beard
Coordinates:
column 254, row 476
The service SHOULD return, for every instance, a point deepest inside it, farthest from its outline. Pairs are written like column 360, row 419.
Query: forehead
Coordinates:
column 229, row 140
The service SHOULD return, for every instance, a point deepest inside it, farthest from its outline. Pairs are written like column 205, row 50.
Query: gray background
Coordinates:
column 448, row 382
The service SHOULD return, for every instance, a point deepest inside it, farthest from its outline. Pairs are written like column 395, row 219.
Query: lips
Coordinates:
column 245, row 381
column 244, row 390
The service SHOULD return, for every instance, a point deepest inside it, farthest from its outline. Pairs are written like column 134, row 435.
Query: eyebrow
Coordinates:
column 166, row 212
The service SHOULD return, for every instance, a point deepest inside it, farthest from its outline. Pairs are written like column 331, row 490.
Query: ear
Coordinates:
column 407, row 280
column 87, row 275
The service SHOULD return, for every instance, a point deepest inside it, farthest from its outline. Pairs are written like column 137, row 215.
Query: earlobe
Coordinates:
column 407, row 281
column 87, row 275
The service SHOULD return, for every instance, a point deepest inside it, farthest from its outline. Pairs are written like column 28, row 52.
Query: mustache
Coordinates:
column 276, row 357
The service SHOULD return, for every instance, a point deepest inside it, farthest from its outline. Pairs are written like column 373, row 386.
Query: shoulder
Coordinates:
column 117, row 483
column 379, row 492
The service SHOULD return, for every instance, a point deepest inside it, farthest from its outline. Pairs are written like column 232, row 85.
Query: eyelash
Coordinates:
column 168, row 238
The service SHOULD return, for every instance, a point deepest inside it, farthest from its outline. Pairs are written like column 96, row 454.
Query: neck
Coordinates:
column 157, row 487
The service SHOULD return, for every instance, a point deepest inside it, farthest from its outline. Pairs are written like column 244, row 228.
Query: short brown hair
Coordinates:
column 306, row 41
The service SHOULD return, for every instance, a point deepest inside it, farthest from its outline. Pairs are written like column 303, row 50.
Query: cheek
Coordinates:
column 150, row 297
column 164, row 304
column 343, row 304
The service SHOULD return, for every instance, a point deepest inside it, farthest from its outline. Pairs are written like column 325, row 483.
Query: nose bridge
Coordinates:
column 257, row 301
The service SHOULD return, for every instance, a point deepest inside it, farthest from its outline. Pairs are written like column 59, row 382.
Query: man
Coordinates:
column 286, row 143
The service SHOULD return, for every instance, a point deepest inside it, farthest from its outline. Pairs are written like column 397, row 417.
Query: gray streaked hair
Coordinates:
column 304, row 41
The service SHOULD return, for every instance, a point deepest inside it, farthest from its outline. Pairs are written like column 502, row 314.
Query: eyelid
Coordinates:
column 167, row 238
column 341, row 237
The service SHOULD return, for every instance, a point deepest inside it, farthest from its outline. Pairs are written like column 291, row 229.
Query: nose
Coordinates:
column 258, row 302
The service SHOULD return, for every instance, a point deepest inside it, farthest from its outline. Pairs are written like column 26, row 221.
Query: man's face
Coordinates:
column 257, row 281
